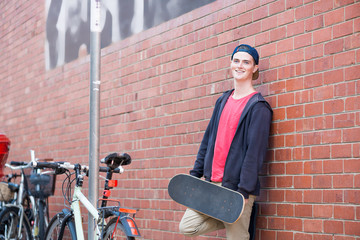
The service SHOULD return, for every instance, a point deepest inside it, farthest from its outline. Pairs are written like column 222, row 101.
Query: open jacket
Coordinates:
column 248, row 148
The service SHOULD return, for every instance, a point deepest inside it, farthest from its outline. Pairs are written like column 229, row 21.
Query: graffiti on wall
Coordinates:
column 68, row 23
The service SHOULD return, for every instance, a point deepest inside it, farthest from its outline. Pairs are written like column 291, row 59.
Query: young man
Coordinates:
column 234, row 146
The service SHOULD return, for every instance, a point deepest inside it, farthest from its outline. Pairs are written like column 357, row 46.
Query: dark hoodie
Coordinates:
column 248, row 148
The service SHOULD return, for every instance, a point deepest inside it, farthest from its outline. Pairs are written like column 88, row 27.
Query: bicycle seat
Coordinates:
column 114, row 160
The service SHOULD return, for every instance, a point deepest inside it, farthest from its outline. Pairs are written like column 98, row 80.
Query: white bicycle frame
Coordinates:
column 78, row 197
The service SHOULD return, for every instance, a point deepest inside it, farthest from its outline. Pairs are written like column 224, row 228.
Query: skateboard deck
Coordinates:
column 205, row 197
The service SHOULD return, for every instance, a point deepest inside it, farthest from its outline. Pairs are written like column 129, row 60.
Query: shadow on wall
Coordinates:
column 68, row 23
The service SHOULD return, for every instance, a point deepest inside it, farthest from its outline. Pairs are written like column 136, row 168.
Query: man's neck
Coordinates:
column 243, row 88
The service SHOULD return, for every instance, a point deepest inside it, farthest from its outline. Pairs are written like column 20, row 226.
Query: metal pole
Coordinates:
column 94, row 144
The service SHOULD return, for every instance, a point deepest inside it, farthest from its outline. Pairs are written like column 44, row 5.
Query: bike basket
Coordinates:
column 5, row 192
column 39, row 185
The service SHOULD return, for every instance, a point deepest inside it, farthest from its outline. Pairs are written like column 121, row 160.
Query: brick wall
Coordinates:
column 158, row 91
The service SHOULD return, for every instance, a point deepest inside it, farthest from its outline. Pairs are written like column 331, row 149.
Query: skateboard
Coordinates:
column 205, row 197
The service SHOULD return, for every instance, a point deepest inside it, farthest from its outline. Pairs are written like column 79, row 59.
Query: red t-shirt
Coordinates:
column 228, row 123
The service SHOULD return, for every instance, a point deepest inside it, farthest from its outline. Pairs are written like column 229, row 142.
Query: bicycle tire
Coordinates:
column 42, row 224
column 9, row 218
column 119, row 232
column 53, row 230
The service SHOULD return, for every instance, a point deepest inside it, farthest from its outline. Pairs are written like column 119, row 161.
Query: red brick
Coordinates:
column 285, row 99
column 351, row 165
column 322, row 6
column 313, row 196
column 293, row 195
column 343, row 181
column 323, row 211
column 345, row 89
column 314, row 109
column 344, row 120
column 344, row 59
column 350, row 135
column 335, row 46
column 282, row 154
column 313, row 81
column 304, row 11
column 276, row 223
column 334, row 76
column 267, row 209
column 284, row 235
column 293, row 224
column 302, row 236
column 295, row 28
column 341, row 151
column 295, row 56
column 268, row 23
column 276, row 168
column 322, row 35
column 294, row 112
column 293, row 84
column 294, row 168
column 352, row 11
column 266, row 234
column 334, row 106
column 352, row 42
column 314, row 23
column 276, row 196
column 314, row 51
column 285, row 18
column 285, row 45
column 312, row 138
column 284, row 181
column 333, row 226
column 323, row 64
column 333, row 196
column 313, row 225
column 352, row 73
column 302, row 182
column 322, row 181
column 342, row 29
column 277, row 34
column 301, row 153
column 276, row 7
column 333, row 166
column 344, row 212
column 303, row 211
column 302, row 40
column 333, row 17
column 304, row 96
column 318, row 152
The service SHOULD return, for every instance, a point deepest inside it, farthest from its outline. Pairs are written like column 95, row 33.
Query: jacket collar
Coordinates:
column 254, row 99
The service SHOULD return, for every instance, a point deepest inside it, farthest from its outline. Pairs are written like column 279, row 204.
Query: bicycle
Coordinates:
column 29, row 208
column 69, row 222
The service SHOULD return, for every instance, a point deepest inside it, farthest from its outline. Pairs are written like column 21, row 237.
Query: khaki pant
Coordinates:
column 194, row 224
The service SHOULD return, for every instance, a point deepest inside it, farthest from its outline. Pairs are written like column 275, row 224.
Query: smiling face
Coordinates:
column 243, row 66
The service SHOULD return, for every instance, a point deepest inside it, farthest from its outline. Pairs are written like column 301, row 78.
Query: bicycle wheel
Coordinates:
column 9, row 220
column 53, row 230
column 115, row 234
column 42, row 225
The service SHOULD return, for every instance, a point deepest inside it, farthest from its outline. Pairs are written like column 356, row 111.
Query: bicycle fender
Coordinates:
column 130, row 226
column 67, row 220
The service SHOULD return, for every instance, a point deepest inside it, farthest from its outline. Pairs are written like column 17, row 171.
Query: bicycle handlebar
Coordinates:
column 14, row 163
column 58, row 165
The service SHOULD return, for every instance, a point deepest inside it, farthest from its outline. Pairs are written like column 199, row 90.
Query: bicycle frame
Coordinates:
column 78, row 197
column 20, row 198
